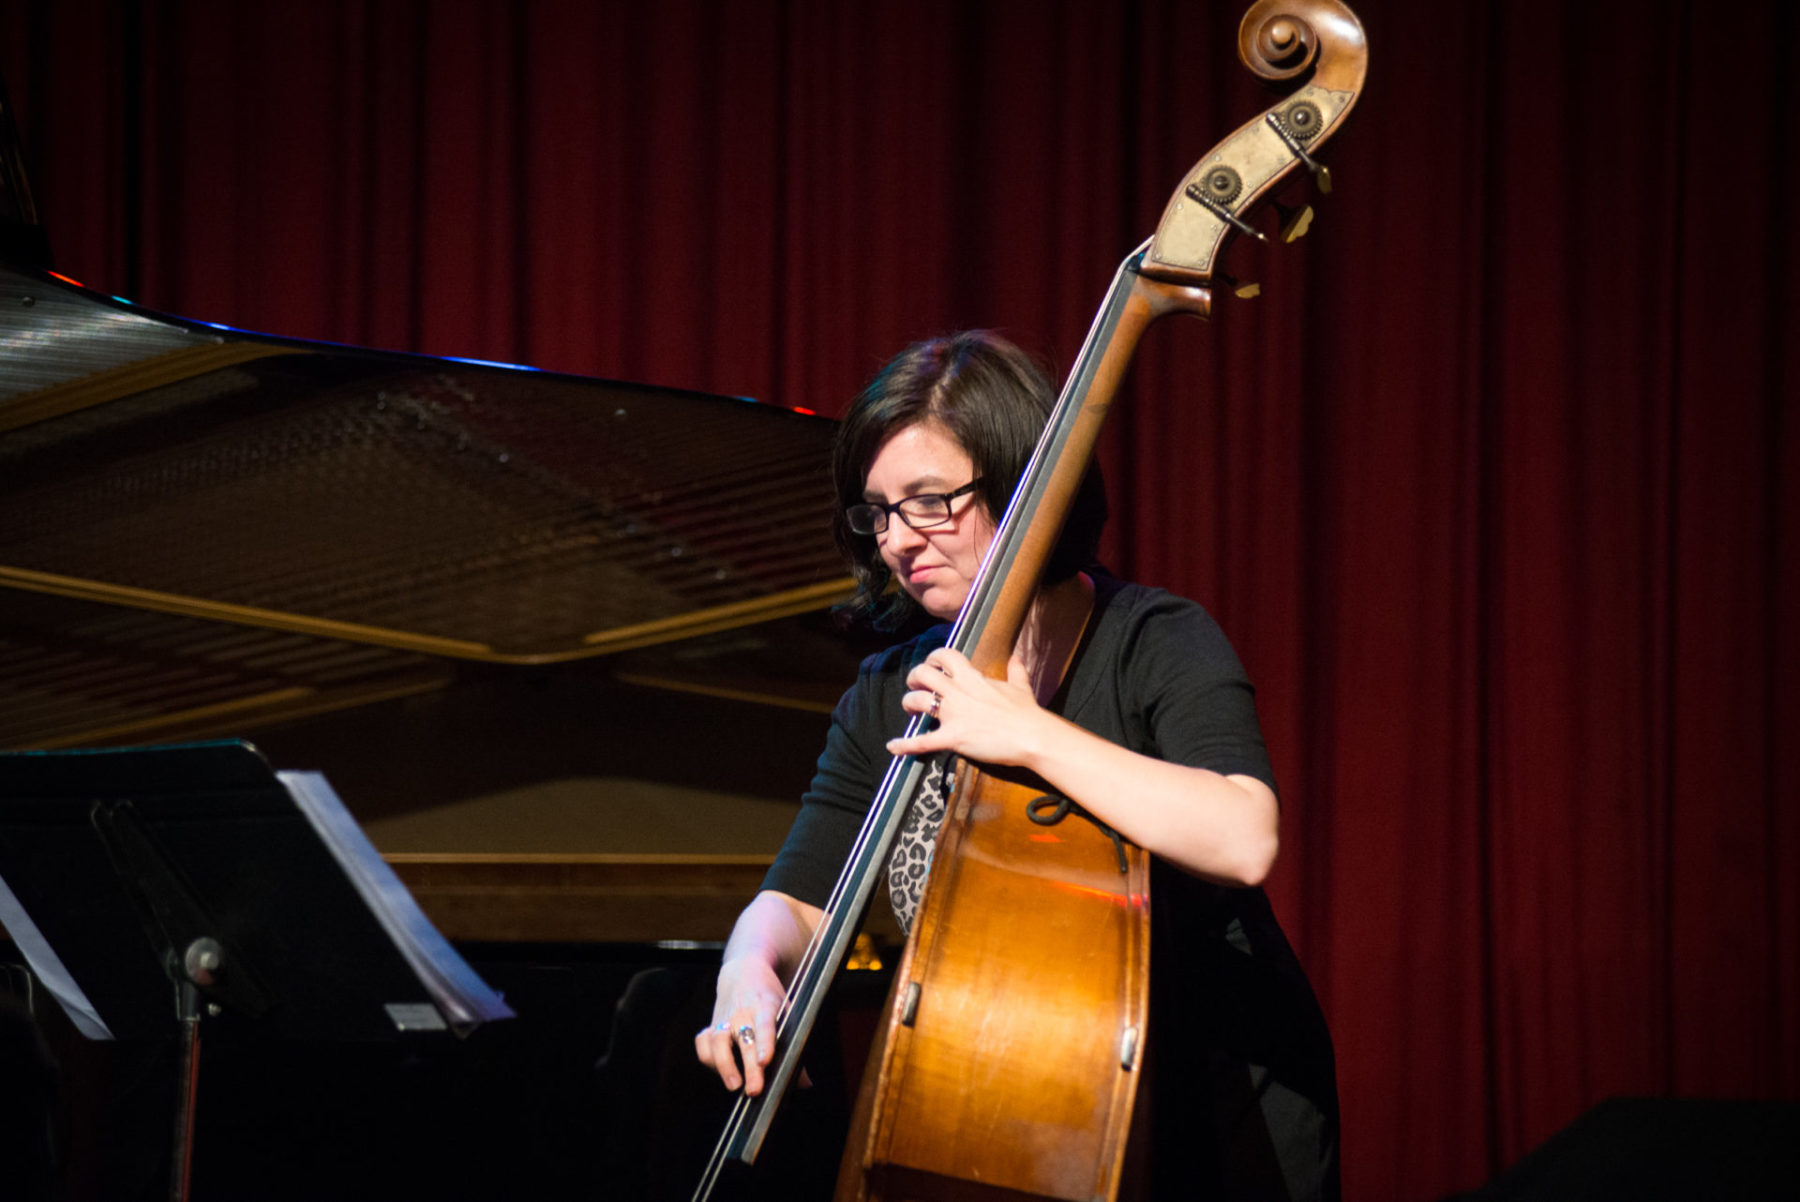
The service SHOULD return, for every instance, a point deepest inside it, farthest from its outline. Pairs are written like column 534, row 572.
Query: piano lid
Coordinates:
column 421, row 505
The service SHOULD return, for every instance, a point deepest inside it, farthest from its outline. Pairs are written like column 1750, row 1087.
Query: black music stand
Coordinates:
column 146, row 885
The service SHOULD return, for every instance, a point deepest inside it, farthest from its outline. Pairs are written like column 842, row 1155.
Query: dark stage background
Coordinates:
column 1494, row 488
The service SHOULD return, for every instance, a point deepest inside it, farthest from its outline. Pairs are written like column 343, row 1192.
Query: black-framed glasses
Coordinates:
column 920, row 512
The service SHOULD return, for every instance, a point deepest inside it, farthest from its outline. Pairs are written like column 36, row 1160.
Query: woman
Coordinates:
column 1126, row 699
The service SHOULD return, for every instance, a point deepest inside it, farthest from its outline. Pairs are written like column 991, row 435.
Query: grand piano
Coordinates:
column 544, row 633
column 564, row 646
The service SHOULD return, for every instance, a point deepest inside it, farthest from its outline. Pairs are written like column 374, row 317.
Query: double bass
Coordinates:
column 1012, row 1044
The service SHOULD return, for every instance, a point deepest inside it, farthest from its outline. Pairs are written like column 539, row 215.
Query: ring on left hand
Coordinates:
column 746, row 1034
column 937, row 699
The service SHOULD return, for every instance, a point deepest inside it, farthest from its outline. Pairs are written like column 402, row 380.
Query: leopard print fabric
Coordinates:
column 910, row 863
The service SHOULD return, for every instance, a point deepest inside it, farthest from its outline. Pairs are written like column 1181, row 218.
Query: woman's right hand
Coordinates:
column 765, row 947
column 743, row 1027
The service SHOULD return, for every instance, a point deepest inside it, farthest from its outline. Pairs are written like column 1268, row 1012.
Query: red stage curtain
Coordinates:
column 1494, row 488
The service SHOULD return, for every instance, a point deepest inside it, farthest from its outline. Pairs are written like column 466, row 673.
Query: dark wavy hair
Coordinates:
column 994, row 400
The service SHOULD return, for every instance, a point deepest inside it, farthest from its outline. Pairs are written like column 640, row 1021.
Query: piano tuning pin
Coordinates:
column 1295, row 222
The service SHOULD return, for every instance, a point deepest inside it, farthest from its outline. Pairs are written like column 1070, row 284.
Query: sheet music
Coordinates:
column 465, row 999
column 49, row 966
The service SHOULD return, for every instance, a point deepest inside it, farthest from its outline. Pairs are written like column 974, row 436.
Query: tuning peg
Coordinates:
column 1295, row 222
column 1240, row 289
column 1219, row 200
column 1305, row 116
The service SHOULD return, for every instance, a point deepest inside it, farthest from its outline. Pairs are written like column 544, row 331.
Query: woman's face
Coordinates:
column 936, row 565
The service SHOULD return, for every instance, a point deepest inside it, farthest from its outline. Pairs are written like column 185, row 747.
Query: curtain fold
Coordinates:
column 1494, row 487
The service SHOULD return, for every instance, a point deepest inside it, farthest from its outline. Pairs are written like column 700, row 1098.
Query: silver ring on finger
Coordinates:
column 722, row 1027
column 746, row 1034
column 937, row 699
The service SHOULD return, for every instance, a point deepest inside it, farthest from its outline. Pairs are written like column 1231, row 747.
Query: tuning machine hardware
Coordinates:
column 1205, row 191
column 1295, row 221
column 1295, row 125
column 1221, row 183
column 1242, row 289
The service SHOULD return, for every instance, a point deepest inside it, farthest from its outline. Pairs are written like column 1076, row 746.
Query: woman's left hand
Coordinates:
column 993, row 721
